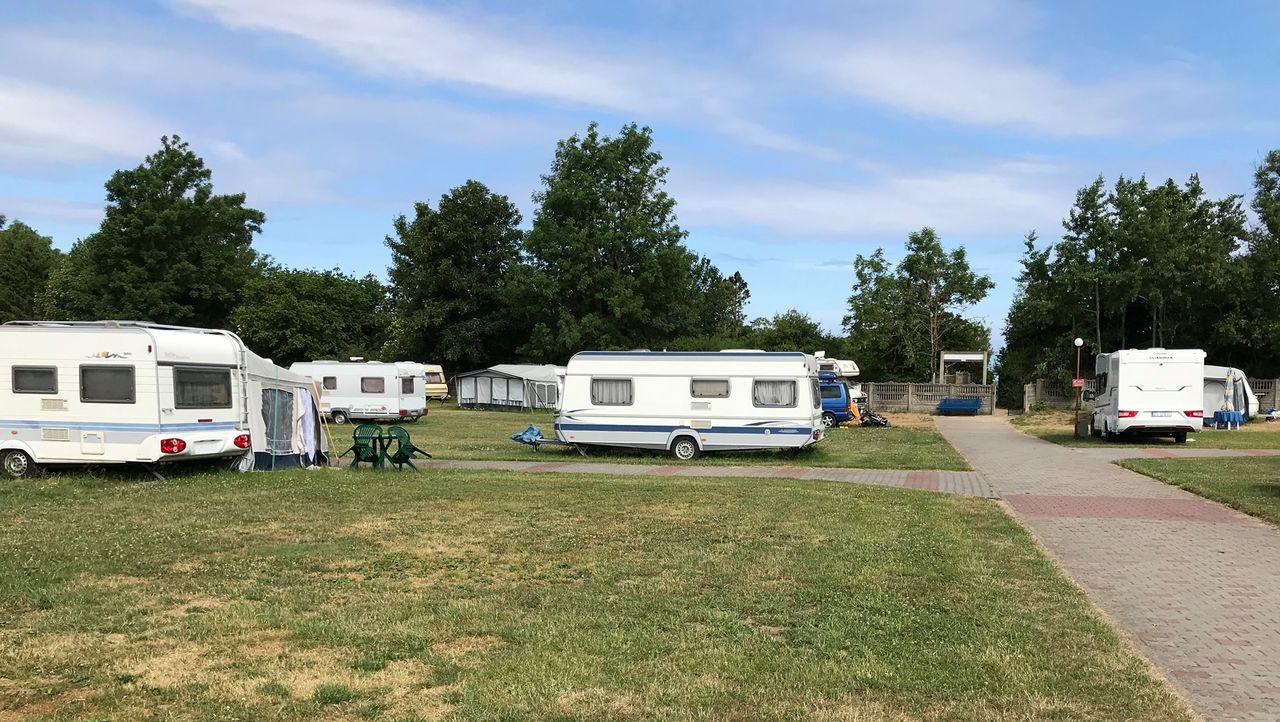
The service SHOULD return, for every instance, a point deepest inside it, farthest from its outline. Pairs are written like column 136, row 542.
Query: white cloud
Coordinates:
column 1004, row 199
column 44, row 123
column 26, row 208
column 979, row 66
column 424, row 45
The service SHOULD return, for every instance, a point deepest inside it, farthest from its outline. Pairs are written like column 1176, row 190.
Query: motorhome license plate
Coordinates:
column 1161, row 414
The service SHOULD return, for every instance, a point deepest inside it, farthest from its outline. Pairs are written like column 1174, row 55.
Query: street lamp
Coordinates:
column 1078, row 385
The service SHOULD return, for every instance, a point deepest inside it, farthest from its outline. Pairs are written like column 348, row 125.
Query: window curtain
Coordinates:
column 774, row 393
column 611, row 392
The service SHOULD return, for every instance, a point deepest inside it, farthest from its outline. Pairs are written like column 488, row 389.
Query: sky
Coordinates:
column 798, row 135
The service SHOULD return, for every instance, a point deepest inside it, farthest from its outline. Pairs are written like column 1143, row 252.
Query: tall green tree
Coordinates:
column 169, row 249
column 901, row 318
column 789, row 331
column 458, row 283
column 610, row 260
column 302, row 315
column 26, row 260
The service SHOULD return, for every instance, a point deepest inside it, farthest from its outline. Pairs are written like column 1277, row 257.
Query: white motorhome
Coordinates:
column 845, row 371
column 691, row 402
column 1155, row 392
column 368, row 390
column 114, row 392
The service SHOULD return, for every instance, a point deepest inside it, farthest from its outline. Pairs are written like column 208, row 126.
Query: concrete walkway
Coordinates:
column 1112, row 453
column 1195, row 584
column 951, row 482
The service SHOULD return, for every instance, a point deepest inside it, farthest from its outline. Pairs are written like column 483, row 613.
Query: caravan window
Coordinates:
column 775, row 394
column 35, row 380
column 406, row 386
column 435, row 378
column 611, row 392
column 709, row 388
column 373, row 385
column 330, row 383
column 107, row 384
column 201, row 388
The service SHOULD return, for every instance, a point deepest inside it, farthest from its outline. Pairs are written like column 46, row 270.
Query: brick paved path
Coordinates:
column 1111, row 453
column 1196, row 585
column 952, row 482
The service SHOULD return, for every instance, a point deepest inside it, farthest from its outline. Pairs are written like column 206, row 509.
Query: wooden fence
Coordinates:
column 924, row 398
column 1267, row 391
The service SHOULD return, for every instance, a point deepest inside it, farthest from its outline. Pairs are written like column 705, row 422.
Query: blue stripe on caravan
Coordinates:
column 116, row 426
column 668, row 429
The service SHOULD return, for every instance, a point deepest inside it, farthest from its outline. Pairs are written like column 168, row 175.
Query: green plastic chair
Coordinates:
column 366, row 445
column 404, row 450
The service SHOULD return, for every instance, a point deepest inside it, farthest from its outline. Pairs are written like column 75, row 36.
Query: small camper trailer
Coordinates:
column 114, row 392
column 368, row 390
column 691, row 402
column 436, row 386
column 1154, row 392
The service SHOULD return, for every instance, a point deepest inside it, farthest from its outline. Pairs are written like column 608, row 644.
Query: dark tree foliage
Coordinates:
column 459, row 287
column 1145, row 265
column 301, row 315
column 169, row 250
column 901, row 318
column 612, row 271
column 26, row 261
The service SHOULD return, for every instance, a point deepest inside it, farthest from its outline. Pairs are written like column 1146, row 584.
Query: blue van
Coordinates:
column 837, row 406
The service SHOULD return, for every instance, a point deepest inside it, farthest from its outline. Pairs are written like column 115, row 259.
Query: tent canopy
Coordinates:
column 510, row 386
column 284, row 418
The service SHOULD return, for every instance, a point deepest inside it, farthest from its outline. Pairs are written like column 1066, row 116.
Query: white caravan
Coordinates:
column 436, row 387
column 113, row 392
column 1227, row 389
column 691, row 402
column 1156, row 392
column 368, row 390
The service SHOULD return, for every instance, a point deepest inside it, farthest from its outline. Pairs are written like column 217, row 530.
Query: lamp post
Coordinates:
column 1079, row 387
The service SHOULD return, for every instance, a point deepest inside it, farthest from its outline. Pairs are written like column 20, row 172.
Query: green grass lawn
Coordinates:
column 1251, row 485
column 1055, row 426
column 329, row 594
column 452, row 433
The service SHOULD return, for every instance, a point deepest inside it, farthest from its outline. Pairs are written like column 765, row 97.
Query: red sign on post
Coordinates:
column 1077, row 383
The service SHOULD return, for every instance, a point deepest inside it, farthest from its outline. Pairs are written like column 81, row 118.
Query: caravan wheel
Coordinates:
column 685, row 448
column 340, row 417
column 17, row 464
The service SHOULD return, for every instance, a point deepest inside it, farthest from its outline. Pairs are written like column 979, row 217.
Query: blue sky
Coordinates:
column 798, row 135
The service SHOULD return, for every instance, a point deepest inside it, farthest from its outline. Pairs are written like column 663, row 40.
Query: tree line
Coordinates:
column 1142, row 264
column 603, row 265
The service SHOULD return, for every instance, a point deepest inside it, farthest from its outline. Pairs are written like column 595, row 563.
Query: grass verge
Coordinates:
column 327, row 594
column 1056, row 426
column 1251, row 485
column 452, row 433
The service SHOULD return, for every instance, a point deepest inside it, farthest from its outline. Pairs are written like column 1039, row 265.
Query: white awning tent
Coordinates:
column 1227, row 389
column 510, row 386
column 284, row 418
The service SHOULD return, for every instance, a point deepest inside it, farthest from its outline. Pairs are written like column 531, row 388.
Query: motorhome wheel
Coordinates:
column 828, row 419
column 17, row 464
column 685, row 449
column 340, row 417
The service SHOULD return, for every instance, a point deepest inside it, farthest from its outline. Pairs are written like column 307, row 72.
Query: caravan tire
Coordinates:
column 685, row 448
column 17, row 464
column 340, row 417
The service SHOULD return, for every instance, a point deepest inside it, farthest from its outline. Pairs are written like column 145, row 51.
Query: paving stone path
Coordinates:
column 951, row 482
column 1195, row 584
column 1167, row 452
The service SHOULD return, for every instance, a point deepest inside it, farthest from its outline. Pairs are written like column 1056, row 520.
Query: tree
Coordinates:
column 28, row 259
column 611, row 265
column 302, row 315
column 169, row 250
column 789, row 331
column 900, row 319
column 458, row 281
